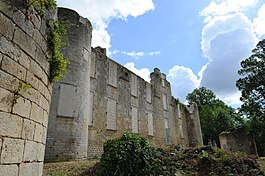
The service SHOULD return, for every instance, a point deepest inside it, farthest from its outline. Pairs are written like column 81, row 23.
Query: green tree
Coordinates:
column 252, row 87
column 215, row 115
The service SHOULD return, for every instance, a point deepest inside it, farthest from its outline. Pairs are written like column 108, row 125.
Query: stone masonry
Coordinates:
column 68, row 121
column 100, row 99
column 124, row 102
column 25, row 91
column 237, row 140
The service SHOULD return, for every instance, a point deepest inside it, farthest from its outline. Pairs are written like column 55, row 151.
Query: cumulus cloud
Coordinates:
column 223, row 25
column 259, row 22
column 224, row 7
column 101, row 12
column 183, row 81
column 143, row 73
column 227, row 38
column 135, row 54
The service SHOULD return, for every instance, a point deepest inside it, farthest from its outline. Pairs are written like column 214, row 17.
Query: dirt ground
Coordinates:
column 77, row 168
column 71, row 168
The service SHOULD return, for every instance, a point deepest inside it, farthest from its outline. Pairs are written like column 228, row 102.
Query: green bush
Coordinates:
column 129, row 155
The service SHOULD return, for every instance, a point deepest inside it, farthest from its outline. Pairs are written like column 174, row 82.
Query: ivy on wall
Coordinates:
column 57, row 38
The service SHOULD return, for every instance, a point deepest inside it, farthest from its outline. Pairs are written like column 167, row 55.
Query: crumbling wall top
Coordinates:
column 100, row 50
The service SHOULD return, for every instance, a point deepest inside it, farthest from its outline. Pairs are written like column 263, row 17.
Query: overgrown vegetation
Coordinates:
column 42, row 5
column 57, row 38
column 131, row 155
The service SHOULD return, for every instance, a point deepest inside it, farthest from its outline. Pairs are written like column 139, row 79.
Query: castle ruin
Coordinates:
column 98, row 99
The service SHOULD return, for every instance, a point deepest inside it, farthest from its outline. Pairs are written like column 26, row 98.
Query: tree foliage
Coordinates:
column 215, row 115
column 252, row 87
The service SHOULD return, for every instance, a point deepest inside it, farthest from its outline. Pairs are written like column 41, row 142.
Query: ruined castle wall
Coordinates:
column 124, row 102
column 238, row 140
column 25, row 91
column 68, row 127
column 100, row 99
column 194, row 126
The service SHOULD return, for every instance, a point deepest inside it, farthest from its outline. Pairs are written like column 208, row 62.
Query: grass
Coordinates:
column 72, row 168
column 261, row 162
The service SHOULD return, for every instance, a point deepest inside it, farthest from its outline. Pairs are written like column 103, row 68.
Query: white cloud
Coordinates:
column 227, row 37
column 224, row 7
column 222, row 25
column 233, row 100
column 259, row 22
column 143, row 73
column 135, row 54
column 154, row 53
column 101, row 12
column 183, row 81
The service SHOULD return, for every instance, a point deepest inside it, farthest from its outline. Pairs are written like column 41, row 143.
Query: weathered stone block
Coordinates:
column 44, row 135
column 6, row 100
column 7, row 27
column 44, row 103
column 13, row 68
column 0, row 147
column 30, row 169
column 31, row 79
column 47, row 93
column 8, row 81
column 43, row 28
column 40, row 152
column 25, row 24
column 24, row 60
column 22, row 107
column 36, row 113
column 25, row 42
column 12, row 151
column 11, row 125
column 9, row 170
column 6, row 47
column 45, row 118
column 28, row 129
column 32, row 95
column 38, row 133
column 38, row 39
column 36, row 19
column 36, row 69
column 31, row 151
column 42, row 88
column 6, row 7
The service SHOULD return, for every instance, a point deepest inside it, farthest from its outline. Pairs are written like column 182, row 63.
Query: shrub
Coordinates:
column 129, row 155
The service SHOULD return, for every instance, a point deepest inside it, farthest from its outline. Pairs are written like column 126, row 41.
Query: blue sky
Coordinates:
column 195, row 43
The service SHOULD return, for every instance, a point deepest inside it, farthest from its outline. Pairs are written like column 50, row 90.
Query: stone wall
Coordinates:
column 238, row 140
column 25, row 91
column 123, row 101
column 68, row 120
column 100, row 99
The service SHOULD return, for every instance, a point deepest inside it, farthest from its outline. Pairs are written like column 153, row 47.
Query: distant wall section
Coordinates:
column 122, row 101
column 238, row 140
